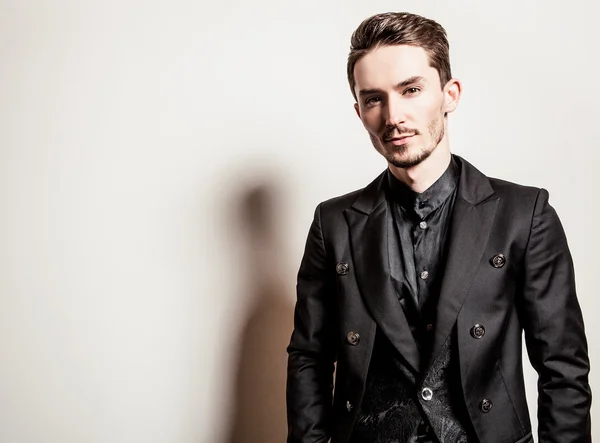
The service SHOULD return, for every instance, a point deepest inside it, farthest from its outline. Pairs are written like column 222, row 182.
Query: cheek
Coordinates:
column 429, row 113
column 372, row 121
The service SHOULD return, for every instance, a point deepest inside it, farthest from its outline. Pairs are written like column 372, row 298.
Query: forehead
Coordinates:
column 386, row 66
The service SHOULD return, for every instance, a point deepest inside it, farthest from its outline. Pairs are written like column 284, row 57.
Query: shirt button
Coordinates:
column 423, row 225
column 424, row 275
column 426, row 394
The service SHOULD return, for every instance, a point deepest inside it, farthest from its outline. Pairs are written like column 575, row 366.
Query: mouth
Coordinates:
column 399, row 140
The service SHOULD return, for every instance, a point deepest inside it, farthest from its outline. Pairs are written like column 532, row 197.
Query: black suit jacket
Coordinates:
column 346, row 286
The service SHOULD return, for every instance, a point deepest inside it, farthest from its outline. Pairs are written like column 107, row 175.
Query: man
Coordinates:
column 421, row 284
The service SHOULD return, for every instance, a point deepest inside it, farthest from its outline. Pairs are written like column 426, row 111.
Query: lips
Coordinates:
column 404, row 137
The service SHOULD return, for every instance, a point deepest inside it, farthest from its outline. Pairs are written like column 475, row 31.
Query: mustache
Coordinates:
column 399, row 131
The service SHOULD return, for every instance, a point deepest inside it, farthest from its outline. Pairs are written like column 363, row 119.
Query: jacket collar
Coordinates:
column 473, row 186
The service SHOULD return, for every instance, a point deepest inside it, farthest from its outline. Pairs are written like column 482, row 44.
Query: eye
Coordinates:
column 411, row 91
column 372, row 101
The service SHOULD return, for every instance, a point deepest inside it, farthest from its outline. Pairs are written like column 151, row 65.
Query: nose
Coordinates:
column 394, row 114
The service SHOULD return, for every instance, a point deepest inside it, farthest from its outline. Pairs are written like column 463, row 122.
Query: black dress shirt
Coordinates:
column 421, row 222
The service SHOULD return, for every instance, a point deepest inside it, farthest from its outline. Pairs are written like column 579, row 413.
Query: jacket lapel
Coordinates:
column 470, row 226
column 368, row 223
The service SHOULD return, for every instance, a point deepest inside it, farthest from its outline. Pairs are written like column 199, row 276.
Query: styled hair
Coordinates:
column 400, row 28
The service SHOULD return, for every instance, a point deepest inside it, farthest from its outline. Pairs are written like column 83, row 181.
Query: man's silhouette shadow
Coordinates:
column 258, row 412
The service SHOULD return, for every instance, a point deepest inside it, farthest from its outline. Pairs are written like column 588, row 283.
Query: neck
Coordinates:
column 420, row 177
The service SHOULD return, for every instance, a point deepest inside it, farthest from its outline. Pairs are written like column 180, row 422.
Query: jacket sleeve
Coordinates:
column 312, row 345
column 554, row 331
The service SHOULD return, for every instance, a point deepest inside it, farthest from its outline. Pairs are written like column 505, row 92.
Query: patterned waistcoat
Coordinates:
column 396, row 409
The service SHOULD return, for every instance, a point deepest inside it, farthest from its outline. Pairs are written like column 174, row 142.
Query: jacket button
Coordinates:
column 498, row 260
column 485, row 405
column 353, row 338
column 477, row 331
column 349, row 406
column 342, row 268
column 426, row 394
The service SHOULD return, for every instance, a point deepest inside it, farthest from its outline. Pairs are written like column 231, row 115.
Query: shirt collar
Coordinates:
column 424, row 203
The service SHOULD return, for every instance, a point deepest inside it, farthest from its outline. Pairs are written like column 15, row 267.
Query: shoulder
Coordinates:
column 517, row 203
column 514, row 191
column 339, row 204
column 361, row 199
column 480, row 184
column 520, row 205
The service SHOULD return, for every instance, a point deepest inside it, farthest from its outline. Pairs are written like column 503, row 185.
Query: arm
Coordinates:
column 554, row 331
column 312, row 346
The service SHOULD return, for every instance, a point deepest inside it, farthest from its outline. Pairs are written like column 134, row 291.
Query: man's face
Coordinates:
column 401, row 103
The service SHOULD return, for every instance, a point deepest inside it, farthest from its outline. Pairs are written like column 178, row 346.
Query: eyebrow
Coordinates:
column 409, row 81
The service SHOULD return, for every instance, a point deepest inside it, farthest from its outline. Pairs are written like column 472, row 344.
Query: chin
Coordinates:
column 407, row 159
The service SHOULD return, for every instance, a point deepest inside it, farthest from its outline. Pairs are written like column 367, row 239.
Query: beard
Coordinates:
column 396, row 155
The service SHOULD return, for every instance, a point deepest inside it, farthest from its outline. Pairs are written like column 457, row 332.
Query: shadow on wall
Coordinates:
column 258, row 406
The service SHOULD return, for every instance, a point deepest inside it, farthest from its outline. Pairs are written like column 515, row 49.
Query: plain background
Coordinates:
column 159, row 167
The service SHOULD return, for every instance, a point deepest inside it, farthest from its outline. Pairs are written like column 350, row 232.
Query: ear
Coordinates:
column 357, row 109
column 452, row 93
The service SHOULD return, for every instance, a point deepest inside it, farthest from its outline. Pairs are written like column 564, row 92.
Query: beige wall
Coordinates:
column 159, row 166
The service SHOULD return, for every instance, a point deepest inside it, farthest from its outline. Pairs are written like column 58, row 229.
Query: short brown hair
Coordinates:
column 401, row 28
